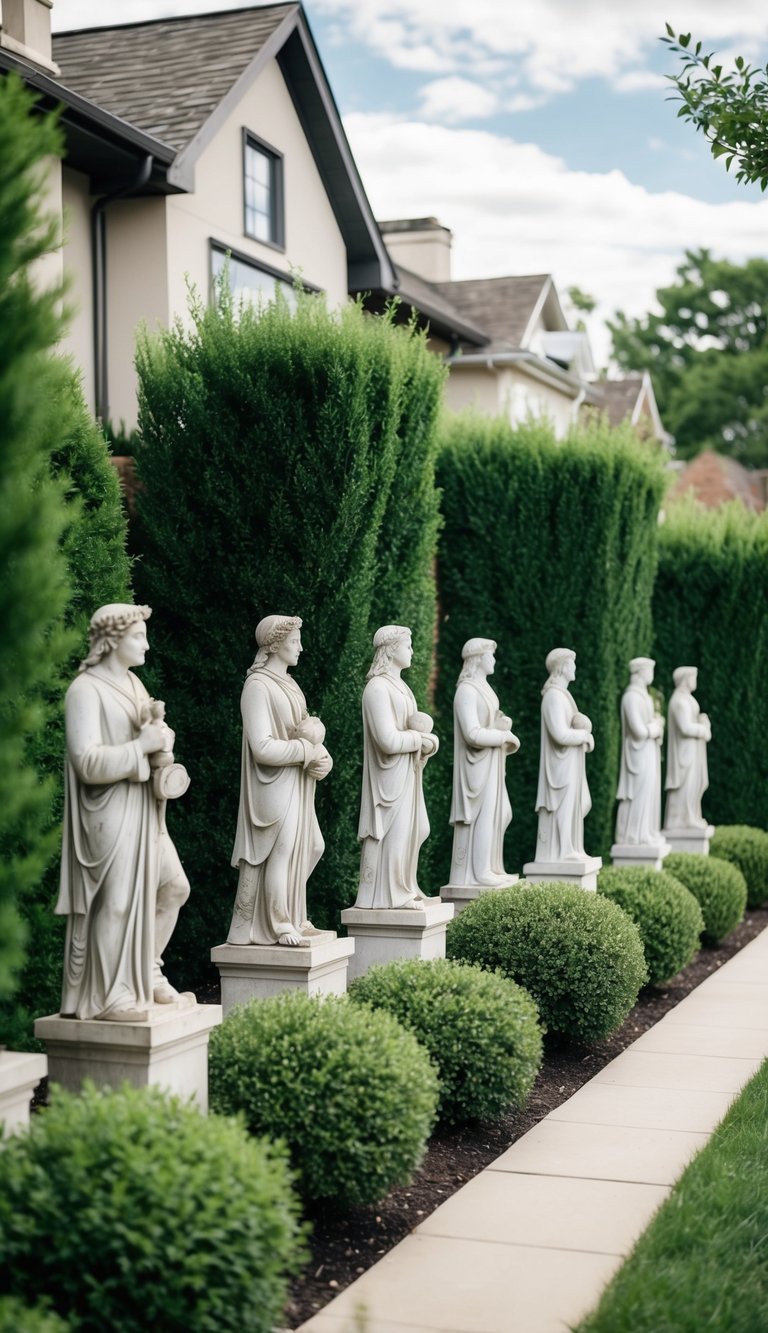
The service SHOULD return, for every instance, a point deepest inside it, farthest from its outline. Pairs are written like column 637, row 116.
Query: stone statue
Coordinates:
column 689, row 731
column 122, row 882
column 278, row 841
column 482, row 739
column 638, row 819
column 563, row 798
column 398, row 740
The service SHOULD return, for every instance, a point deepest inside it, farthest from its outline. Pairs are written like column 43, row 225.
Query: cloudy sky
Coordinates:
column 537, row 130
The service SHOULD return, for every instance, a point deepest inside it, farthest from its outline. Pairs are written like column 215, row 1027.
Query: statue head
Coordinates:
column 270, row 633
column 561, row 665
column 685, row 676
column 473, row 653
column 642, row 668
column 391, row 647
column 107, row 627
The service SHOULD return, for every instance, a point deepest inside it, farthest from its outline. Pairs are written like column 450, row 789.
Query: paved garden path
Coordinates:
column 528, row 1245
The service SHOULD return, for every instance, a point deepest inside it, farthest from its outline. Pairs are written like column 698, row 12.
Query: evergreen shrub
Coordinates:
column 546, row 543
column 746, row 848
column 132, row 1211
column 480, row 1029
column 18, row 1317
column 718, row 886
column 350, row 1091
column 710, row 610
column 668, row 917
column 283, row 455
column 577, row 954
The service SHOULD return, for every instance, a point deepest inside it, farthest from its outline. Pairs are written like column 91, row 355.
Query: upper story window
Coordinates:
column 263, row 189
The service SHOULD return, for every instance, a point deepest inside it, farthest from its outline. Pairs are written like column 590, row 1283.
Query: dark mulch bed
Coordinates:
column 345, row 1244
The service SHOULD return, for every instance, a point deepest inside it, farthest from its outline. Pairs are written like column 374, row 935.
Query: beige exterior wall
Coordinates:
column 137, row 291
column 427, row 253
column 313, row 242
column 475, row 387
column 47, row 270
column 507, row 392
column 78, row 272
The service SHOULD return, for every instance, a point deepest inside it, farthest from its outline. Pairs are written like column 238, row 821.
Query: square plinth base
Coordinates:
column 256, row 971
column 383, row 934
column 626, row 855
column 582, row 873
column 689, row 839
column 461, row 895
column 169, row 1050
column 20, row 1073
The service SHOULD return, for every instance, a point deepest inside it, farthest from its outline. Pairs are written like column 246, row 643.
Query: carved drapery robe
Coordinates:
column 638, row 820
column 278, row 841
column 480, row 809
column 393, row 816
column 562, row 799
column 687, row 773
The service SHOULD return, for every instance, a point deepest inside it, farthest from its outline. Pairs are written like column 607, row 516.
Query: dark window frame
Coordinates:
column 251, row 262
column 276, row 191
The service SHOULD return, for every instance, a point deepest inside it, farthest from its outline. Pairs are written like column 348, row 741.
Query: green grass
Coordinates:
column 702, row 1264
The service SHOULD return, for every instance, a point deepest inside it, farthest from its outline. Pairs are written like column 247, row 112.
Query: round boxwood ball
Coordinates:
column 480, row 1028
column 575, row 952
column 719, row 888
column 132, row 1211
column 746, row 848
column 666, row 914
column 352, row 1093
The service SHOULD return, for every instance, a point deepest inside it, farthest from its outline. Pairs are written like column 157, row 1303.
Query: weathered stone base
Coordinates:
column 581, row 872
column 461, row 895
column 689, row 839
column 169, row 1050
column 256, row 971
column 20, row 1073
column 383, row 934
column 626, row 855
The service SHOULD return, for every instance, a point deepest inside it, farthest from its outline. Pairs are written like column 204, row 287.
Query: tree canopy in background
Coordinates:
column 707, row 351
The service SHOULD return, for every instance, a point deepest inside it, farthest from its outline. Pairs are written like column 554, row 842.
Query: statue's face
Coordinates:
column 569, row 669
column 402, row 654
column 133, row 646
column 645, row 673
column 290, row 649
column 488, row 662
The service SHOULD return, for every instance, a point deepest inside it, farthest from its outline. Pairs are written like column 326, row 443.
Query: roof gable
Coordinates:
column 504, row 308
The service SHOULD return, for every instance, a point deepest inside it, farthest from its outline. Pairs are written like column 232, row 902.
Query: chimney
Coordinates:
column 25, row 29
column 422, row 245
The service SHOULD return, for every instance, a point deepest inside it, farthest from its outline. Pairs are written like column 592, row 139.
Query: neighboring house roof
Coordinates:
column 630, row 399
column 444, row 318
column 714, row 478
column 505, row 308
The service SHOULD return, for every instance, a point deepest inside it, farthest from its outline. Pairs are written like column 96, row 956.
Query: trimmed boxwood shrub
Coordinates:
column 719, row 888
column 481, row 1030
column 132, row 1211
column 746, row 848
column 577, row 953
column 666, row 914
column 351, row 1092
column 17, row 1317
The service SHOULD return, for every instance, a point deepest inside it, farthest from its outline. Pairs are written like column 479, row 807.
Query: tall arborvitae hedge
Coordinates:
column 270, row 443
column 710, row 610
column 94, row 545
column 545, row 544
column 33, row 582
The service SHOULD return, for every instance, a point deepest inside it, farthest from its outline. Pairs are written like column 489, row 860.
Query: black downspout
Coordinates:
column 99, row 256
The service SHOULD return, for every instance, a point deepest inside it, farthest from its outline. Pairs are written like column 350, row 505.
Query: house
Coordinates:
column 632, row 399
column 713, row 479
column 187, row 140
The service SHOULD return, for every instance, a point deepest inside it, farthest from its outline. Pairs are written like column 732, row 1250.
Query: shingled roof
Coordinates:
column 166, row 76
column 620, row 397
column 501, row 307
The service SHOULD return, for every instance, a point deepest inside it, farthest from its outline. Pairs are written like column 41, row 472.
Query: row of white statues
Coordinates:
column 122, row 882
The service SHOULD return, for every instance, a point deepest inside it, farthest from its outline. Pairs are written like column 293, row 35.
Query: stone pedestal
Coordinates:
column 20, row 1073
column 383, row 934
column 256, row 971
column 169, row 1050
column 461, row 895
column 581, row 872
column 689, row 839
column 626, row 855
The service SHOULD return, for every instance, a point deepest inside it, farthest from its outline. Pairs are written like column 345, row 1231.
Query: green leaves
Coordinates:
column 666, row 914
column 746, row 848
column 718, row 886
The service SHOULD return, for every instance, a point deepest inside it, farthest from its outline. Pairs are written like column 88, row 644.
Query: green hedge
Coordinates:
column 718, row 886
column 666, row 914
column 132, row 1211
column 746, row 848
column 480, row 1029
column 351, row 1092
column 270, row 445
column 18, row 1317
column 546, row 543
column 710, row 610
column 578, row 955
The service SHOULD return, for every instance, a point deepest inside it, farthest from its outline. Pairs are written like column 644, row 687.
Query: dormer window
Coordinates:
column 263, row 192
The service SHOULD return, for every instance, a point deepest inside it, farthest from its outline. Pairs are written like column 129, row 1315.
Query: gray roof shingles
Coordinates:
column 619, row 397
column 501, row 307
column 167, row 76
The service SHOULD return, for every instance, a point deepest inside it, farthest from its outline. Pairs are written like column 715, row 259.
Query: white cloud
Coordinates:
column 454, row 100
column 638, row 81
column 515, row 209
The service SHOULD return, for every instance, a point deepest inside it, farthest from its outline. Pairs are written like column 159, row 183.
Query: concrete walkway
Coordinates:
column 528, row 1245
